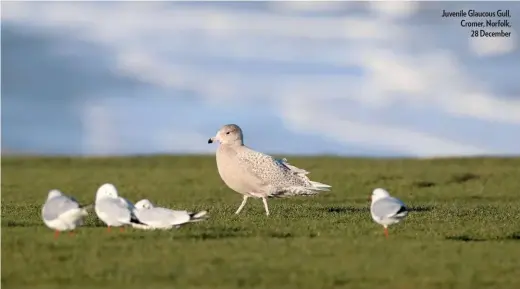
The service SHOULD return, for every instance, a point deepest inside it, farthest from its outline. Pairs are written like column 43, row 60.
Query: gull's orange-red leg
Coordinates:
column 56, row 234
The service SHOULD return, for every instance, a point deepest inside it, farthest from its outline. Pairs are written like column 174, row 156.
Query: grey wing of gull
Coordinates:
column 114, row 210
column 57, row 206
column 387, row 207
column 162, row 215
column 129, row 203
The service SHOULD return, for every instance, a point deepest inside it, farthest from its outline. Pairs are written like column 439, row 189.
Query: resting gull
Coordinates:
column 114, row 210
column 164, row 218
column 386, row 210
column 62, row 213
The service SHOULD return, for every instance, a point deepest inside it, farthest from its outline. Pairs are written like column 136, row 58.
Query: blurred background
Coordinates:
column 341, row 78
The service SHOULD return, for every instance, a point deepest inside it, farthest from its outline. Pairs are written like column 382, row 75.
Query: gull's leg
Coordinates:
column 264, row 200
column 242, row 205
column 71, row 233
column 108, row 229
column 121, row 229
column 386, row 231
column 56, row 234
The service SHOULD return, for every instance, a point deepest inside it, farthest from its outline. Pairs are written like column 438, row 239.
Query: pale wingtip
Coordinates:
column 200, row 216
column 321, row 186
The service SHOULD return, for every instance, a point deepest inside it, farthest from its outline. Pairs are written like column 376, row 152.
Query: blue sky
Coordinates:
column 343, row 78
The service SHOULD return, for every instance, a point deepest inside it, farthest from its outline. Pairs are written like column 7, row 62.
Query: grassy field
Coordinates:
column 463, row 231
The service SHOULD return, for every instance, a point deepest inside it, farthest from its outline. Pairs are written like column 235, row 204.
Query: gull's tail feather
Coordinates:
column 320, row 186
column 301, row 191
column 135, row 220
column 302, row 174
column 402, row 212
column 197, row 217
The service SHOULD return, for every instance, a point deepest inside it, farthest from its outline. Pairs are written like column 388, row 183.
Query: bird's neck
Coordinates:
column 235, row 143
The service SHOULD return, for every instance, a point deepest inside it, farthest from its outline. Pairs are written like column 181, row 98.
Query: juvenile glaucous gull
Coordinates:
column 254, row 174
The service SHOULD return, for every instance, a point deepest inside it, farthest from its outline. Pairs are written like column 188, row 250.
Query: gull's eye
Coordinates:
column 228, row 132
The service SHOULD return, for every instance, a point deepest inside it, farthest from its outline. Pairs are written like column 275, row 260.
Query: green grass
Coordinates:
column 463, row 231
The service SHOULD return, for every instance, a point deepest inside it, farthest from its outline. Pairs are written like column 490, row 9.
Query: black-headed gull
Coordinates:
column 163, row 218
column 114, row 210
column 62, row 213
column 386, row 210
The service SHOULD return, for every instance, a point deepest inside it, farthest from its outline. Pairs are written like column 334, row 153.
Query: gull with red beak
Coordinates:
column 386, row 210
column 254, row 174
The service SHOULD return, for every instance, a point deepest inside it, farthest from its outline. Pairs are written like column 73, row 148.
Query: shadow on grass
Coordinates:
column 21, row 224
column 424, row 184
column 281, row 235
column 462, row 178
column 420, row 209
column 220, row 233
column 466, row 238
column 346, row 209
column 336, row 209
column 96, row 224
column 213, row 234
column 388, row 178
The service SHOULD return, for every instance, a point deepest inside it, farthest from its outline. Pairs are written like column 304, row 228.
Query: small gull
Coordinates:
column 62, row 213
column 114, row 210
column 163, row 218
column 386, row 210
column 254, row 174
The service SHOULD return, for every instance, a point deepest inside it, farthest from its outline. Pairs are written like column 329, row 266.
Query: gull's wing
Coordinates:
column 56, row 206
column 128, row 203
column 263, row 167
column 162, row 217
column 114, row 209
column 387, row 208
column 277, row 177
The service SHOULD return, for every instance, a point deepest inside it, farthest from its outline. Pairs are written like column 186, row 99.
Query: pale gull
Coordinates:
column 254, row 174
column 386, row 210
column 62, row 213
column 114, row 210
column 164, row 218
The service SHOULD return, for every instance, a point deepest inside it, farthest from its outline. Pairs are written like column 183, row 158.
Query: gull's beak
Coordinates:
column 214, row 139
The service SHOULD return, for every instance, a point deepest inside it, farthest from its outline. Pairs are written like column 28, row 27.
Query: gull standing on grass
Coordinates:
column 114, row 210
column 254, row 174
column 386, row 210
column 62, row 213
column 163, row 218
